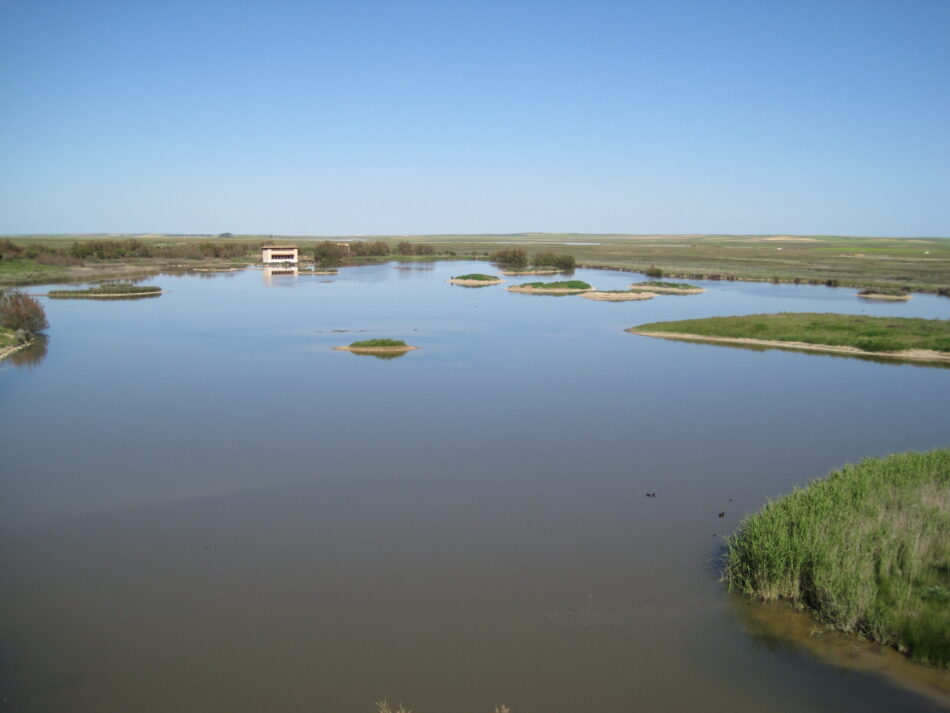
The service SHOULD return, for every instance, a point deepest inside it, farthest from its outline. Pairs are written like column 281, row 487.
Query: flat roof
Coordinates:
column 280, row 247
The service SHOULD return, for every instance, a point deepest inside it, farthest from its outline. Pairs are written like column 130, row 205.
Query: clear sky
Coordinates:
column 293, row 117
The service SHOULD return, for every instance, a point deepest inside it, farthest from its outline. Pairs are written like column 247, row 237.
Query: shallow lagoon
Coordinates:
column 206, row 508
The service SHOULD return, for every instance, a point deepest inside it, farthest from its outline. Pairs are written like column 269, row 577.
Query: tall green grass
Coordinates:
column 378, row 343
column 565, row 285
column 867, row 549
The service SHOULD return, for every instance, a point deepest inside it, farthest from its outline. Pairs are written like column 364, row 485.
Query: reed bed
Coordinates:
column 866, row 549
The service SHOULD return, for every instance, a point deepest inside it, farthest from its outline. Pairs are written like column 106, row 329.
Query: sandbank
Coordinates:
column 912, row 354
column 618, row 296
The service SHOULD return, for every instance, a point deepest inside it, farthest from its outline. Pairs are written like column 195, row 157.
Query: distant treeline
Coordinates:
column 129, row 248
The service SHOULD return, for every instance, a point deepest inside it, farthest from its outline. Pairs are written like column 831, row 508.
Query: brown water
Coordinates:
column 206, row 509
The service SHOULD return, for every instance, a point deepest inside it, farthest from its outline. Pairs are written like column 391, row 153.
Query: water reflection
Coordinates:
column 379, row 355
column 280, row 276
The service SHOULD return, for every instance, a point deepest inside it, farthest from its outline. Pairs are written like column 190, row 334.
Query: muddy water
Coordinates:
column 205, row 508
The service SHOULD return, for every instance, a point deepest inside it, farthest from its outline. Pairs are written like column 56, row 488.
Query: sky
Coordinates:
column 346, row 118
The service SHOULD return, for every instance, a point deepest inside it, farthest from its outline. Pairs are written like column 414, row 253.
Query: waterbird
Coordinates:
column 651, row 495
column 722, row 514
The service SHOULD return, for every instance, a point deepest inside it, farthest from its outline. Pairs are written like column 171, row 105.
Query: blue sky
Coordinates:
column 323, row 118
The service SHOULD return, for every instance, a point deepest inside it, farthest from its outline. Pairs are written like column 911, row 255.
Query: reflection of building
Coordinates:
column 279, row 254
column 279, row 272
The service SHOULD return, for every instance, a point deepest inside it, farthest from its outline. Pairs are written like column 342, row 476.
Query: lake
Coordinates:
column 205, row 508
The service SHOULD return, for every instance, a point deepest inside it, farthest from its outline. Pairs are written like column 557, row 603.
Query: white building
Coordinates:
column 279, row 254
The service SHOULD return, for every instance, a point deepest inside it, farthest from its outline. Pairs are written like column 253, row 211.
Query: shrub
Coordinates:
column 22, row 312
column 653, row 271
column 513, row 258
column 327, row 253
column 562, row 262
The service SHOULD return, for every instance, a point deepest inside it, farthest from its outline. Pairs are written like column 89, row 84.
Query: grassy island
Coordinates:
column 552, row 288
column 378, row 346
column 884, row 293
column 475, row 279
column 673, row 288
column 901, row 337
column 866, row 549
column 108, row 291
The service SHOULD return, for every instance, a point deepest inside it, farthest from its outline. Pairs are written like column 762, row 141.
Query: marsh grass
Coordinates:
column 867, row 549
column 477, row 276
column 872, row 334
column 889, row 291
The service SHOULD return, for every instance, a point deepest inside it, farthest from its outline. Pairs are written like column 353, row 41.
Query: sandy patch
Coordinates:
column 218, row 269
column 877, row 296
column 666, row 290
column 376, row 350
column 915, row 354
column 475, row 283
column 618, row 296
column 547, row 290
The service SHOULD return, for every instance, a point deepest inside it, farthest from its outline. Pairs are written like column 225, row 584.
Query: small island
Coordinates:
column 618, row 295
column 865, row 549
column 475, row 279
column 884, row 293
column 377, row 346
column 857, row 335
column 668, row 288
column 568, row 287
column 118, row 291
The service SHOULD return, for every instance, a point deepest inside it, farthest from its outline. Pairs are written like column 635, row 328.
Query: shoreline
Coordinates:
column 7, row 351
column 907, row 354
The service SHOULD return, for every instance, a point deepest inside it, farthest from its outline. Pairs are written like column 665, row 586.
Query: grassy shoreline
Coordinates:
column 866, row 549
column 873, row 335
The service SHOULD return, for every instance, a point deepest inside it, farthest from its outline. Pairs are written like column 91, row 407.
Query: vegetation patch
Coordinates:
column 564, row 285
column 672, row 288
column 858, row 332
column 106, row 291
column 378, row 343
column 866, row 549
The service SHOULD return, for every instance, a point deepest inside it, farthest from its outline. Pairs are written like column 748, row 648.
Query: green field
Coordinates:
column 867, row 549
column 915, row 264
column 871, row 334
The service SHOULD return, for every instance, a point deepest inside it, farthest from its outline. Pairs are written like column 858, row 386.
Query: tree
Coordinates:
column 22, row 312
